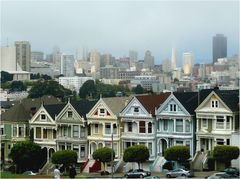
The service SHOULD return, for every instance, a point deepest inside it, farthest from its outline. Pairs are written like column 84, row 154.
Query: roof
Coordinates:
column 83, row 106
column 54, row 109
column 150, row 102
column 229, row 97
column 189, row 100
column 16, row 113
column 116, row 104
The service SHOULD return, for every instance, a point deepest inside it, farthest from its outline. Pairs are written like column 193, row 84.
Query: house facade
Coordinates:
column 175, row 121
column 138, row 119
column 217, row 118
column 104, row 125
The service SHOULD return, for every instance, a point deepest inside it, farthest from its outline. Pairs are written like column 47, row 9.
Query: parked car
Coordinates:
column 179, row 172
column 232, row 171
column 29, row 173
column 137, row 173
column 219, row 175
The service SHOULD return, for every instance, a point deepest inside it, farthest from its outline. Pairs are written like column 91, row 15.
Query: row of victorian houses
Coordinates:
column 200, row 120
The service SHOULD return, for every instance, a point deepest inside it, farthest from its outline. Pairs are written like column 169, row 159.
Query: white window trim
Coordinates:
column 202, row 123
column 42, row 118
column 94, row 129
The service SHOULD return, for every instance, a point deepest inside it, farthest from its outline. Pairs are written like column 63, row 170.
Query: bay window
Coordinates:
column 179, row 125
column 107, row 128
column 142, row 127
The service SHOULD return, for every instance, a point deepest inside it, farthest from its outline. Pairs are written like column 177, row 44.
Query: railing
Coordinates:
column 95, row 167
column 84, row 165
column 117, row 165
column 152, row 166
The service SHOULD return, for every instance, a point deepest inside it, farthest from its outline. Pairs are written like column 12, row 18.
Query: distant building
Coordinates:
column 82, row 54
column 133, row 57
column 166, row 65
column 109, row 72
column 188, row 62
column 8, row 59
column 95, row 60
column 149, row 59
column 219, row 47
column 49, row 58
column 56, row 57
column 73, row 83
column 107, row 59
column 67, row 65
column 202, row 71
column 37, row 56
column 145, row 81
column 23, row 54
column 174, row 59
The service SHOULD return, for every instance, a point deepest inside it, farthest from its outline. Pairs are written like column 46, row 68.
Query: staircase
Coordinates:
column 157, row 164
column 89, row 164
column 197, row 162
column 47, row 168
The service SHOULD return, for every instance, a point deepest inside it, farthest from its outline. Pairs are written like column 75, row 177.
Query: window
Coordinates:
column 149, row 127
column 115, row 148
column 220, row 141
column 142, row 127
column 102, row 111
column 204, row 123
column 54, row 134
column 70, row 114
column 179, row 125
column 129, row 124
column 228, row 141
column 187, row 127
column 82, row 132
column 220, row 122
column 21, row 131
column 2, row 130
column 228, row 122
column 107, row 128
column 188, row 143
column 82, row 151
column 43, row 117
column 179, row 142
column 65, row 131
column 69, row 147
column 173, row 107
column 14, row 130
column 27, row 131
column 44, row 133
column 150, row 148
column 76, row 149
column 38, row 132
column 75, row 131
column 214, row 103
column 114, row 128
column 165, row 124
column 136, row 109
column 96, row 129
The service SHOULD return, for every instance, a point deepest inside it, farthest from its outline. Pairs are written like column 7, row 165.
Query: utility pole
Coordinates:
column 112, row 156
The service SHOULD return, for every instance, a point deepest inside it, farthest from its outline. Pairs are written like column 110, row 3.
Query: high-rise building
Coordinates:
column 188, row 62
column 219, row 47
column 174, row 59
column 56, row 55
column 67, row 65
column 37, row 56
column 95, row 60
column 166, row 65
column 23, row 54
column 149, row 59
column 202, row 71
column 8, row 59
column 133, row 57
column 82, row 54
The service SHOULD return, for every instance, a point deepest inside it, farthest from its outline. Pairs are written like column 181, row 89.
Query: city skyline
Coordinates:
column 117, row 27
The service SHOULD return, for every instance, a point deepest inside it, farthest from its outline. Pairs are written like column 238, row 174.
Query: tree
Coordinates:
column 27, row 156
column 136, row 153
column 179, row 153
column 40, row 76
column 88, row 89
column 225, row 153
column 18, row 86
column 50, row 87
column 5, row 76
column 104, row 155
column 65, row 157
column 138, row 89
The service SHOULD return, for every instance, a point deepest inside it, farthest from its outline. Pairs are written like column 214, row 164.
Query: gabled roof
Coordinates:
column 54, row 109
column 150, row 102
column 16, row 113
column 189, row 100
column 116, row 104
column 229, row 97
column 83, row 106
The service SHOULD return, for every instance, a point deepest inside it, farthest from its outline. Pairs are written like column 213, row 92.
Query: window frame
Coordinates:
column 96, row 128
column 69, row 114
column 74, row 131
column 179, row 125
column 142, row 128
column 129, row 126
column 41, row 117
column 107, row 128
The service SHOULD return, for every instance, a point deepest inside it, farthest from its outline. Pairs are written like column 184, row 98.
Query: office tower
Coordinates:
column 49, row 58
column 166, row 65
column 56, row 57
column 23, row 54
column 133, row 57
column 202, row 71
column 8, row 59
column 37, row 56
column 174, row 59
column 106, row 59
column 67, row 65
column 149, row 59
column 82, row 54
column 188, row 62
column 95, row 60
column 219, row 47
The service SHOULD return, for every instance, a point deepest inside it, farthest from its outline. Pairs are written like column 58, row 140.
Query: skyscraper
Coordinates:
column 67, row 65
column 149, row 59
column 95, row 60
column 56, row 55
column 188, row 62
column 23, row 54
column 219, row 47
column 8, row 59
column 174, row 59
column 133, row 57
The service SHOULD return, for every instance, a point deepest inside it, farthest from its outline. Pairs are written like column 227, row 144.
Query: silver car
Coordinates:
column 178, row 172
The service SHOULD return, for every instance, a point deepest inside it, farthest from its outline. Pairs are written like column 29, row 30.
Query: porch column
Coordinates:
column 41, row 133
column 47, row 154
column 34, row 132
column 209, row 144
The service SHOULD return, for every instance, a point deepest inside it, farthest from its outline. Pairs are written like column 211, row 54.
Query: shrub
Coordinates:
column 177, row 153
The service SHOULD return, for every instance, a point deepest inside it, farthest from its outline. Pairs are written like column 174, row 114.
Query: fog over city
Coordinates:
column 119, row 26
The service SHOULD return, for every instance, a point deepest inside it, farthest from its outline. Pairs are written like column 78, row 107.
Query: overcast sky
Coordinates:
column 116, row 27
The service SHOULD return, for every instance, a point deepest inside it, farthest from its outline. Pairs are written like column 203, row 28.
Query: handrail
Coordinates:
column 84, row 165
